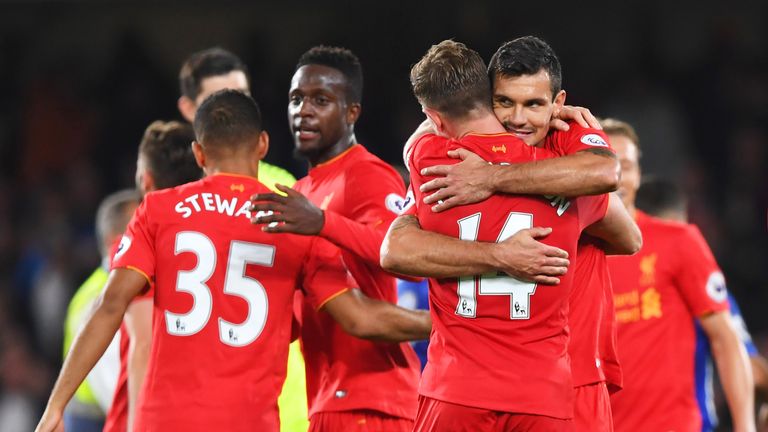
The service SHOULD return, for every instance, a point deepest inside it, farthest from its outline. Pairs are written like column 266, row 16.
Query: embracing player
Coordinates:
column 493, row 335
column 527, row 95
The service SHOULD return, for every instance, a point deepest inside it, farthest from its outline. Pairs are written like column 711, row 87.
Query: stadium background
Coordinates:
column 80, row 80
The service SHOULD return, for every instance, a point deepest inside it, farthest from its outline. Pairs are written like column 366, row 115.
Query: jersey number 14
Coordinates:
column 519, row 292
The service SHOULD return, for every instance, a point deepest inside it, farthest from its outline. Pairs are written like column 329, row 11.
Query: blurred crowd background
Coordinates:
column 80, row 80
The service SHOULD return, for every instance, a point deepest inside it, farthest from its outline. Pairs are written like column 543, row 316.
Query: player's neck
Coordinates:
column 485, row 124
column 240, row 166
column 331, row 152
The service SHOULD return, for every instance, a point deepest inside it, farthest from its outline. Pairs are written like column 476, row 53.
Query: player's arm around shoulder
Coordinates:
column 733, row 367
column 617, row 229
column 367, row 318
column 89, row 345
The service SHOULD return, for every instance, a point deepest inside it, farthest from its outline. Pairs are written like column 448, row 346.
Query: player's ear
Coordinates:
column 147, row 182
column 197, row 150
column 435, row 118
column 263, row 145
column 187, row 108
column 353, row 113
column 558, row 102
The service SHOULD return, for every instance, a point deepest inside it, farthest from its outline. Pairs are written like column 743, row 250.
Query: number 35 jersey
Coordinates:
column 222, row 304
column 498, row 343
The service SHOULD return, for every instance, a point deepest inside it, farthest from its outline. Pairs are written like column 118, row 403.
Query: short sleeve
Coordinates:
column 423, row 154
column 699, row 279
column 377, row 195
column 325, row 276
column 592, row 208
column 576, row 139
column 136, row 249
column 410, row 200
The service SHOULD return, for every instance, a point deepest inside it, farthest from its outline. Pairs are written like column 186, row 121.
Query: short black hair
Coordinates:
column 657, row 195
column 342, row 60
column 167, row 149
column 227, row 119
column 204, row 64
column 526, row 55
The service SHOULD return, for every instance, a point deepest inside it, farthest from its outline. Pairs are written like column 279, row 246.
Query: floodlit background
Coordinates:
column 80, row 80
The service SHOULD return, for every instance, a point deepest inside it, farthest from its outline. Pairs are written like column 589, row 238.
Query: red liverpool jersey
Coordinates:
column 361, row 195
column 117, row 415
column 575, row 139
column 591, row 322
column 222, row 306
column 498, row 343
column 590, row 308
column 659, row 293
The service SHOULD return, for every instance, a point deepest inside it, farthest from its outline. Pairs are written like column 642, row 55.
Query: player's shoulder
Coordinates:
column 159, row 199
column 672, row 232
column 366, row 163
column 173, row 192
column 576, row 132
column 428, row 143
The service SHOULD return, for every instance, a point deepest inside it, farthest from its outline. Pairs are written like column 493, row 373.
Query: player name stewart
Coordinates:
column 212, row 202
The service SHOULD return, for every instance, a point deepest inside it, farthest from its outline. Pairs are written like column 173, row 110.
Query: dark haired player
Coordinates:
column 497, row 356
column 208, row 71
column 223, row 291
column 670, row 300
column 348, row 197
column 203, row 73
column 527, row 94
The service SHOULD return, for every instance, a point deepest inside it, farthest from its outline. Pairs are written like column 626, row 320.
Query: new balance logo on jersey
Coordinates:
column 562, row 203
column 502, row 148
column 211, row 202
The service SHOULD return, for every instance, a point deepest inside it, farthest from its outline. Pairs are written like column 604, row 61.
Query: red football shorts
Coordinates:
column 439, row 416
column 592, row 408
column 358, row 421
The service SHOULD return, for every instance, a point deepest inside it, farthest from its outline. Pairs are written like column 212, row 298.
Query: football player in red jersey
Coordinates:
column 527, row 93
column 202, row 74
column 349, row 197
column 664, row 295
column 495, row 363
column 165, row 160
column 223, row 291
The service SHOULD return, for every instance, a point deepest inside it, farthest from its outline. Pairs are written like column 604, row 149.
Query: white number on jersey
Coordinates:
column 236, row 283
column 519, row 292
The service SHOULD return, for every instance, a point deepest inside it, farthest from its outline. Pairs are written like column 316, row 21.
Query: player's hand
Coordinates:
column 580, row 115
column 50, row 422
column 292, row 213
column 523, row 257
column 466, row 182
